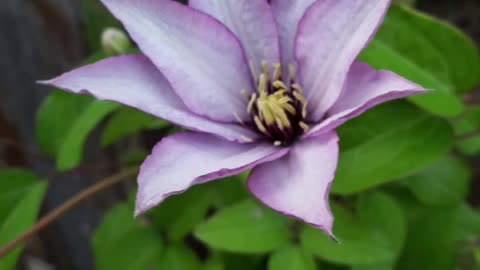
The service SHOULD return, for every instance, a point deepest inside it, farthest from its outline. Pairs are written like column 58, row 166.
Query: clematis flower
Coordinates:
column 262, row 84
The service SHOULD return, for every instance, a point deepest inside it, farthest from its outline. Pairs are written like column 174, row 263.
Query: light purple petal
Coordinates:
column 298, row 184
column 253, row 23
column 330, row 36
column 185, row 159
column 134, row 81
column 199, row 56
column 365, row 88
column 287, row 15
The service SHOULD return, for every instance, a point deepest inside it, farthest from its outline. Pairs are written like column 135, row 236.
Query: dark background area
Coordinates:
column 43, row 38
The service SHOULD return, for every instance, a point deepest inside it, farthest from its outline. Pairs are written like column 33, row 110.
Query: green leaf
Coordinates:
column 446, row 182
column 21, row 217
column 468, row 127
column 291, row 258
column 429, row 52
column 178, row 215
column 374, row 236
column 245, row 227
column 121, row 242
column 71, row 151
column 178, row 257
column 391, row 141
column 431, row 240
column 97, row 19
column 127, row 121
column 468, row 226
column 214, row 262
column 236, row 261
column 63, row 123
column 14, row 183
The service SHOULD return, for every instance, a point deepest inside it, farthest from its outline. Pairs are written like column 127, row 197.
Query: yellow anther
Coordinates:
column 238, row 118
column 302, row 100
column 291, row 72
column 304, row 126
column 279, row 115
column 298, row 87
column 266, row 70
column 254, row 71
column 277, row 72
column 262, row 84
column 279, row 84
column 265, row 112
column 253, row 98
column 246, row 139
column 289, row 108
column 260, row 125
column 299, row 96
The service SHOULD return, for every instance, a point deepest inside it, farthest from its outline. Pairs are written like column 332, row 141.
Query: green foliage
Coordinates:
column 466, row 128
column 373, row 235
column 121, row 242
column 428, row 52
column 64, row 122
column 444, row 183
column 245, row 227
column 98, row 18
column 291, row 258
column 21, row 195
column 178, row 257
column 431, row 241
column 127, row 121
column 388, row 142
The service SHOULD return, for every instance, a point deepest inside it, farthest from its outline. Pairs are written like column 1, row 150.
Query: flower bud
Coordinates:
column 115, row 41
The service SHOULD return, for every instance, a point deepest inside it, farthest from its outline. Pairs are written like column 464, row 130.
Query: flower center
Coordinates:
column 277, row 107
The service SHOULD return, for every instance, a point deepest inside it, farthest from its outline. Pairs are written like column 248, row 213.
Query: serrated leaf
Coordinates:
column 374, row 236
column 446, row 182
column 291, row 258
column 429, row 52
column 128, row 121
column 245, row 227
column 391, row 141
column 21, row 217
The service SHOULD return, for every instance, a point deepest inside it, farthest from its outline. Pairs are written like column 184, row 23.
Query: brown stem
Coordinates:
column 65, row 207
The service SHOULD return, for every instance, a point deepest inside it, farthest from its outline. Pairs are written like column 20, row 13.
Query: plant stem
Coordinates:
column 66, row 206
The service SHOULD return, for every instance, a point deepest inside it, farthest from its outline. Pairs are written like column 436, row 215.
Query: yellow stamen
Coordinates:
column 266, row 70
column 262, row 84
column 246, row 139
column 302, row 100
column 278, row 72
column 238, row 118
column 291, row 72
column 254, row 71
column 279, row 84
column 298, row 87
column 260, row 125
column 304, row 126
column 251, row 102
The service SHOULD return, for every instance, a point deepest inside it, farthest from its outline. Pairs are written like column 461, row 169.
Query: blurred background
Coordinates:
column 40, row 39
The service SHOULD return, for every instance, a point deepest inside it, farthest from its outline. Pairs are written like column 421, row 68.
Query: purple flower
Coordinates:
column 262, row 83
